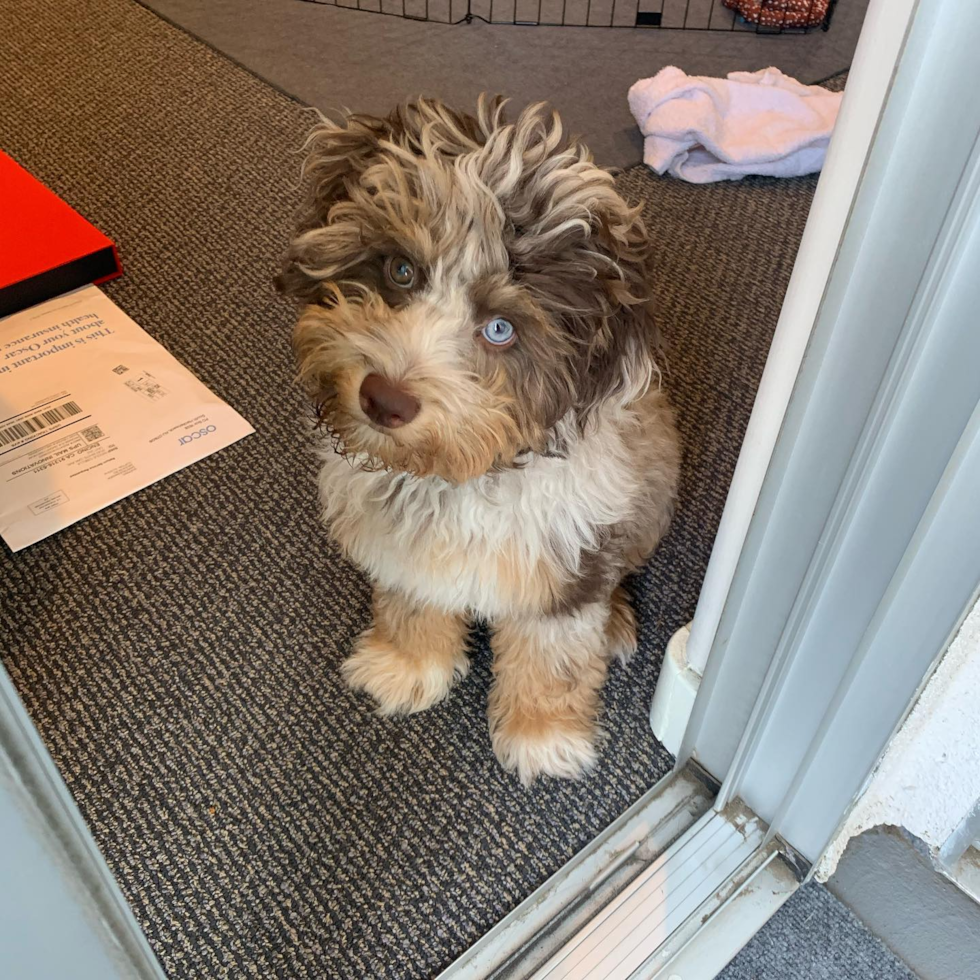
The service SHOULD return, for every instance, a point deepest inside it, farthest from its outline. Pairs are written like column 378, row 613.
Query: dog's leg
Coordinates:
column 410, row 657
column 621, row 628
column 545, row 700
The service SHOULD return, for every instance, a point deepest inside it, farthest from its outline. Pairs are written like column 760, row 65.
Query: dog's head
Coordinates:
column 467, row 283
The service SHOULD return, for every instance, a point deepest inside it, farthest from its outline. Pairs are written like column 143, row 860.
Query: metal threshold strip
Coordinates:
column 633, row 905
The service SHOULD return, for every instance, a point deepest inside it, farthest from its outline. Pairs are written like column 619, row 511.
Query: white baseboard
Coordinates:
column 677, row 687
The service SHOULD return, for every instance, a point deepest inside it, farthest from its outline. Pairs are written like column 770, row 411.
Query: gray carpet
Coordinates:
column 179, row 651
column 814, row 937
column 329, row 57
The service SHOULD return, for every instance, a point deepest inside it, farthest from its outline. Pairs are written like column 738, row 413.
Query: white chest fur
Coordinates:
column 494, row 545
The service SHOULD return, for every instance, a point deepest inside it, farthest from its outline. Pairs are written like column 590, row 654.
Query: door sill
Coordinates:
column 672, row 888
column 593, row 878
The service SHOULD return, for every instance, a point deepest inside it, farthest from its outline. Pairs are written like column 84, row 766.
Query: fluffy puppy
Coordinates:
column 476, row 331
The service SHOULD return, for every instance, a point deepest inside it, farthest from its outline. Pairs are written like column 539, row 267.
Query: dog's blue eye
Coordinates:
column 499, row 331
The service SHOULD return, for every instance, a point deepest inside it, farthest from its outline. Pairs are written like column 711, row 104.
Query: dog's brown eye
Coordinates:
column 400, row 271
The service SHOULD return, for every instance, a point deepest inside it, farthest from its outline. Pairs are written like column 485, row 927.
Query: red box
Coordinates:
column 46, row 247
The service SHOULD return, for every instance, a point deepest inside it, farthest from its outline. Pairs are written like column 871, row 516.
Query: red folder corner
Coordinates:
column 46, row 247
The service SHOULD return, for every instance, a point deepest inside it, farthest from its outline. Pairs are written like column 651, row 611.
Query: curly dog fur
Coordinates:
column 476, row 331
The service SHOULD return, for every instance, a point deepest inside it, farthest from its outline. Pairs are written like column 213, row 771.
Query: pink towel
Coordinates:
column 706, row 129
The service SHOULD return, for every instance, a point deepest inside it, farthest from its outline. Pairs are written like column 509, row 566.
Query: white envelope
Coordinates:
column 93, row 409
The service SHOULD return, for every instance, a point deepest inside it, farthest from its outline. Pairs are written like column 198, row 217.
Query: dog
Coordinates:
column 476, row 330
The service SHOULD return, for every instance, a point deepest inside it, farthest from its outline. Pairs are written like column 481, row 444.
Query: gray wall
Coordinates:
column 888, row 879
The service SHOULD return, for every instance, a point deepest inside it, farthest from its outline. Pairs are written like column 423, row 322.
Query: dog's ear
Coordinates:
column 337, row 154
column 592, row 272
column 625, row 338
column 600, row 292
column 336, row 157
column 581, row 251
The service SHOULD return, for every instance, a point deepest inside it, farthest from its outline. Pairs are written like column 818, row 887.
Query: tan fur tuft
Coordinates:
column 410, row 658
column 544, row 704
column 621, row 629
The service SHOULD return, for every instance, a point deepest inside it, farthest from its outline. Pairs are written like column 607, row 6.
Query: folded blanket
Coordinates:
column 707, row 129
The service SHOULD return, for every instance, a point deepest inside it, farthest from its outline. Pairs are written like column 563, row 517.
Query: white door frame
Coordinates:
column 62, row 914
column 869, row 84
column 855, row 566
column 869, row 81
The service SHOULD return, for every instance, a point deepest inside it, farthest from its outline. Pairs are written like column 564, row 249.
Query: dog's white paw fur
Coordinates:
column 554, row 750
column 400, row 683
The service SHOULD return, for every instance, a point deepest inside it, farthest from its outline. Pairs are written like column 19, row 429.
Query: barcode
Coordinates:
column 27, row 427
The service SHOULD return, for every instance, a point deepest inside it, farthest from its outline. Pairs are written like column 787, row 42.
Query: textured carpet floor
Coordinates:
column 814, row 937
column 179, row 651
column 329, row 57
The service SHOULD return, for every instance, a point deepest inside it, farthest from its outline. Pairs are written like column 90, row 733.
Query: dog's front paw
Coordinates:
column 532, row 747
column 400, row 682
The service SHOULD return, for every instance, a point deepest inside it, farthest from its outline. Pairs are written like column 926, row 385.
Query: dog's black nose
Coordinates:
column 386, row 404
